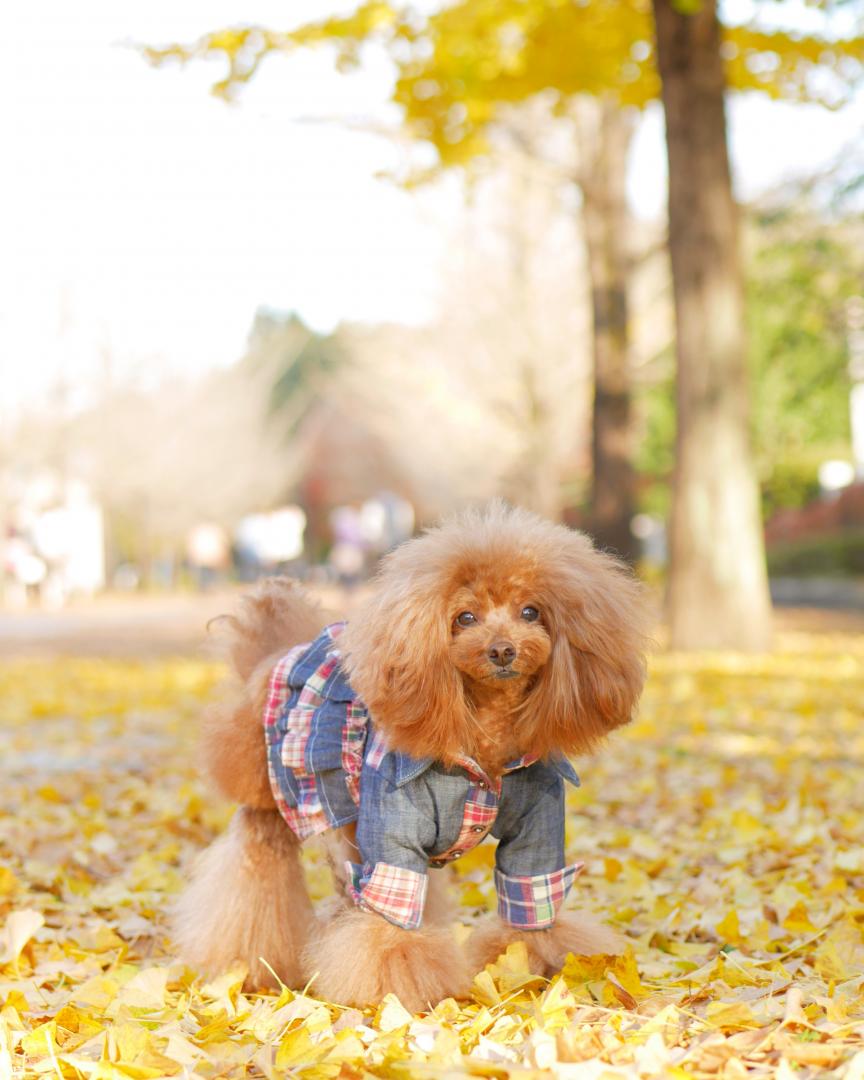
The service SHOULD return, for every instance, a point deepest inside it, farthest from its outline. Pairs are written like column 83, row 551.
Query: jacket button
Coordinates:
column 478, row 828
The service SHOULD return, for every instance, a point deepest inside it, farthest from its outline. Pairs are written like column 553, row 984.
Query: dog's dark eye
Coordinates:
column 530, row 614
column 465, row 619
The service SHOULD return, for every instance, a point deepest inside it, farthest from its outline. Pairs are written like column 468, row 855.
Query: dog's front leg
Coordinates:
column 359, row 957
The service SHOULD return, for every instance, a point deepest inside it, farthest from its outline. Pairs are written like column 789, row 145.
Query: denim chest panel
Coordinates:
column 328, row 768
column 439, row 814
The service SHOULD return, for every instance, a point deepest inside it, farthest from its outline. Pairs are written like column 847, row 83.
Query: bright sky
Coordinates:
column 145, row 220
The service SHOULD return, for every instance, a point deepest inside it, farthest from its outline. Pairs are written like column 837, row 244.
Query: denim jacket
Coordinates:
column 329, row 767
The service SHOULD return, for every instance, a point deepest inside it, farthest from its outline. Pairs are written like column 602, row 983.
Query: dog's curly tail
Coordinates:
column 271, row 619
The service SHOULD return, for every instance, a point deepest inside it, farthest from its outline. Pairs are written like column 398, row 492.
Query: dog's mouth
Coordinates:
column 504, row 673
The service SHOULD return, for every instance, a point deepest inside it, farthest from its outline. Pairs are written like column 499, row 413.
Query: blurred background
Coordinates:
column 280, row 292
column 283, row 283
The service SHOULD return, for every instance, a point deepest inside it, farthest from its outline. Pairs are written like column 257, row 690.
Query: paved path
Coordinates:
column 145, row 626
column 129, row 625
column 176, row 625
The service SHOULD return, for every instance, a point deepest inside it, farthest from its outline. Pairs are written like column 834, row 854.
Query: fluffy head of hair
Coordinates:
column 581, row 662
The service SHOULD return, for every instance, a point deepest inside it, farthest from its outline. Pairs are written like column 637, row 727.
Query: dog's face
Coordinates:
column 497, row 635
column 498, row 600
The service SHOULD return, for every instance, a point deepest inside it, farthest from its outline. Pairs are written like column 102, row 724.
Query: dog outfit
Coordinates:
column 329, row 766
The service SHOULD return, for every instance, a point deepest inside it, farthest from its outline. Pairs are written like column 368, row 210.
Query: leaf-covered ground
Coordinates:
column 724, row 832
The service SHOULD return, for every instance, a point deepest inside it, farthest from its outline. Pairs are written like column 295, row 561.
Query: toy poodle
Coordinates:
column 493, row 648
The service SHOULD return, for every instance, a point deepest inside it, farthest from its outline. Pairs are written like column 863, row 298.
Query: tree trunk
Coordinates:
column 718, row 588
column 605, row 132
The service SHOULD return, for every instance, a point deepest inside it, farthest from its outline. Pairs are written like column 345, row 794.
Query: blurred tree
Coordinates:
column 461, row 67
column 162, row 459
column 718, row 589
column 457, row 66
column 300, row 361
column 303, row 367
column 801, row 276
column 800, row 271
column 718, row 585
column 606, row 226
column 491, row 396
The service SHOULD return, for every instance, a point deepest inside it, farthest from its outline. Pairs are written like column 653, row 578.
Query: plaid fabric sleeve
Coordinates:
column 396, row 894
column 532, row 903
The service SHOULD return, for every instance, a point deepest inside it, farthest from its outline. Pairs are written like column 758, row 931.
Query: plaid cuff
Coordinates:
column 532, row 902
column 396, row 894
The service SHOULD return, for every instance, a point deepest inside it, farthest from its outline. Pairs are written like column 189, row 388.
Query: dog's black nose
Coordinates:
column 501, row 653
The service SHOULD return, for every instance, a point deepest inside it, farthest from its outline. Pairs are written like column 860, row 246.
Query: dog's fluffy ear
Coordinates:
column 396, row 652
column 596, row 614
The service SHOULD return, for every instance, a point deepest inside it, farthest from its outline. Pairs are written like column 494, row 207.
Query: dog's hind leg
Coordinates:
column 247, row 903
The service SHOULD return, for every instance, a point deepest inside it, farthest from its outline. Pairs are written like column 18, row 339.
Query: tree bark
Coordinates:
column 605, row 133
column 718, row 589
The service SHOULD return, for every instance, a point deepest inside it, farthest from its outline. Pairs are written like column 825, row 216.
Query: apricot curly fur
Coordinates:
column 247, row 903
column 397, row 647
column 547, row 949
column 274, row 617
column 427, row 680
column 360, row 957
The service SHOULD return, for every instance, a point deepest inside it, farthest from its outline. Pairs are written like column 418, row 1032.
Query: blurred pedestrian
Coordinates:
column 207, row 550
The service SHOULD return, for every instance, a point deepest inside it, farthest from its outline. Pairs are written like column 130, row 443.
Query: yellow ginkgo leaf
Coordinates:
column 19, row 929
column 798, row 920
column 730, row 1016
column 9, row 884
column 392, row 1014
column 728, row 929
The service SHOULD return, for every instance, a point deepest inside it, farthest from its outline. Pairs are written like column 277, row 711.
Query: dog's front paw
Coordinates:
column 360, row 957
column 577, row 934
column 547, row 949
column 490, row 939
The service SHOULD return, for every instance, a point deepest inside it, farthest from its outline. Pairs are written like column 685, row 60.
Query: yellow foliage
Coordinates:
column 457, row 69
column 742, row 908
column 728, row 928
column 798, row 921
